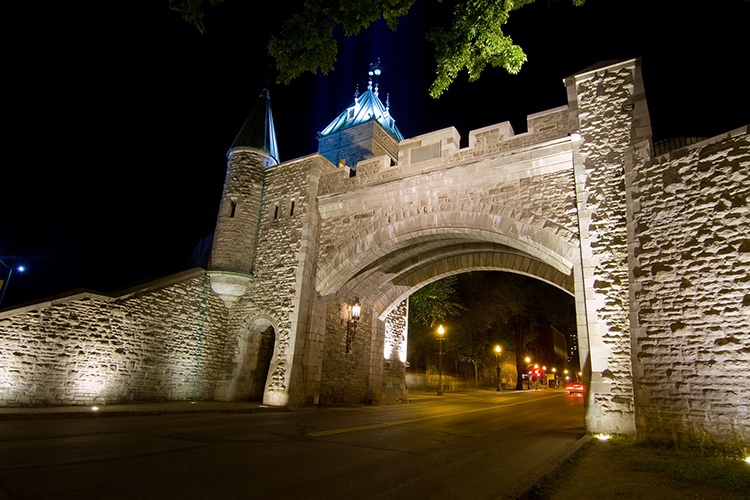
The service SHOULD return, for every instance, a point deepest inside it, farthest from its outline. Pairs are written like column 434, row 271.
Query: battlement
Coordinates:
column 441, row 149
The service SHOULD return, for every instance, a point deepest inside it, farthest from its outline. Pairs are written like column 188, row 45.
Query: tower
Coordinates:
column 363, row 130
column 233, row 252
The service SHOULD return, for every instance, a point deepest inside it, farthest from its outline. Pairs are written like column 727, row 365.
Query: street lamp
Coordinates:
column 498, row 349
column 20, row 269
column 528, row 372
column 441, row 332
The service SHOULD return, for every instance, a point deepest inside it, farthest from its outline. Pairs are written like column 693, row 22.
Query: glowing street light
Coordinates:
column 498, row 349
column 20, row 269
column 441, row 332
column 528, row 371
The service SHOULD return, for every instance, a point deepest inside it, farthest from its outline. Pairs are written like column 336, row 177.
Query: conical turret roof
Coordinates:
column 258, row 131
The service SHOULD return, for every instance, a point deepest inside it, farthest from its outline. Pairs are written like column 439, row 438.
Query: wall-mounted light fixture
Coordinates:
column 351, row 324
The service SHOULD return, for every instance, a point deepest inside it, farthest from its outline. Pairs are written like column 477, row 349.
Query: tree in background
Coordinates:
column 429, row 306
column 488, row 308
column 434, row 302
column 519, row 303
column 307, row 42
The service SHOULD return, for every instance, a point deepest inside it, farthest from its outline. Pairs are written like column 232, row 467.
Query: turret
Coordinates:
column 254, row 149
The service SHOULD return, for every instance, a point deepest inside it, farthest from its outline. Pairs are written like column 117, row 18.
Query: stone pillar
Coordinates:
column 608, row 115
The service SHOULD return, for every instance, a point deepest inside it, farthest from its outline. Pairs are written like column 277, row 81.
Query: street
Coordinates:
column 478, row 445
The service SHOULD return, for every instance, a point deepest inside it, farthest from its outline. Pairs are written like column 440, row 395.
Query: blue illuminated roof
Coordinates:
column 258, row 131
column 366, row 107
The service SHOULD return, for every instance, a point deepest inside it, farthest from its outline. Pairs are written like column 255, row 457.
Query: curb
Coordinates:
column 524, row 490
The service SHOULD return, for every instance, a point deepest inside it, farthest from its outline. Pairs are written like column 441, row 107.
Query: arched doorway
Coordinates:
column 252, row 362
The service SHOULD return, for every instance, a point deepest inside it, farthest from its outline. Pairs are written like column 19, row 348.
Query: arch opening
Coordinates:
column 252, row 362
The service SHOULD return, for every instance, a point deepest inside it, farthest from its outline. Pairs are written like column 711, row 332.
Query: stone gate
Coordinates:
column 304, row 300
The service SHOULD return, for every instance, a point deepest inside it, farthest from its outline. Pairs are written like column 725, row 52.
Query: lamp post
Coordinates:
column 441, row 332
column 498, row 349
column 7, row 280
column 528, row 372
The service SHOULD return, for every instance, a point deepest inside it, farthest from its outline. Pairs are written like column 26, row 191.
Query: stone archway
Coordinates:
column 385, row 285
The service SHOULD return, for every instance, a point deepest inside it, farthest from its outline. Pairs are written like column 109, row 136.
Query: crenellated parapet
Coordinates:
column 441, row 150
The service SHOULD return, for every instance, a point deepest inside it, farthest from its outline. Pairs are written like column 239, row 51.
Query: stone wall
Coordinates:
column 282, row 284
column 346, row 379
column 161, row 342
column 238, row 214
column 609, row 114
column 353, row 145
column 690, row 267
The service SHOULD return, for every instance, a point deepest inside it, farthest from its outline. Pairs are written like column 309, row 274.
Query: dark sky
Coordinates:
column 118, row 116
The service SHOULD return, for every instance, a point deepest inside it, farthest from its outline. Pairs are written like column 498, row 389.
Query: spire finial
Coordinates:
column 374, row 71
column 356, row 91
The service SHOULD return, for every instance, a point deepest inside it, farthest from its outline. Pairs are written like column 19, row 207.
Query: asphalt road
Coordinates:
column 479, row 445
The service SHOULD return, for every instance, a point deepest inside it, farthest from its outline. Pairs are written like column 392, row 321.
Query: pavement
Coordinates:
column 600, row 471
column 184, row 407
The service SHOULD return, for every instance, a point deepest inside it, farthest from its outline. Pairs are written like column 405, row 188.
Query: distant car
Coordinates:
column 575, row 388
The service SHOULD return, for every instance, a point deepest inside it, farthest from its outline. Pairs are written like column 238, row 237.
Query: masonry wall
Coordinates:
column 390, row 386
column 690, row 266
column 160, row 343
column 238, row 213
column 501, row 188
column 609, row 113
column 282, row 288
column 358, row 143
column 346, row 379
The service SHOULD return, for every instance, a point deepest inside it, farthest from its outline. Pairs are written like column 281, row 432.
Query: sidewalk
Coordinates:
column 155, row 408
column 135, row 409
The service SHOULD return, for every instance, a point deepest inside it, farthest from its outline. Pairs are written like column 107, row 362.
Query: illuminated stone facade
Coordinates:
column 690, row 307
column 164, row 341
column 653, row 248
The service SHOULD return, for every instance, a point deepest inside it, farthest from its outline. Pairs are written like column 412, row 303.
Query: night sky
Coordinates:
column 118, row 116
